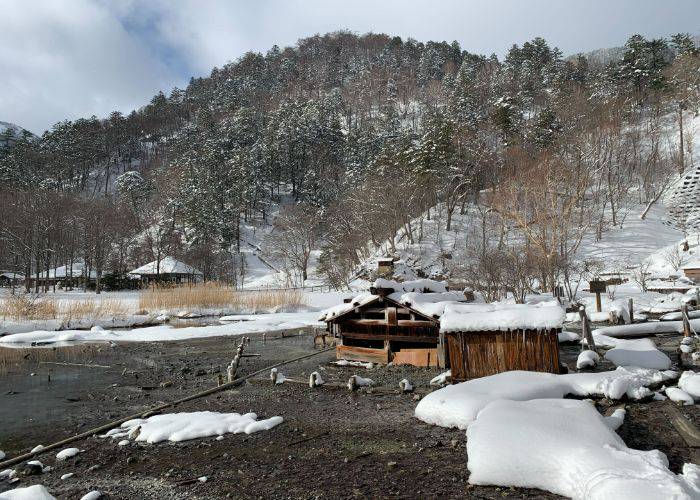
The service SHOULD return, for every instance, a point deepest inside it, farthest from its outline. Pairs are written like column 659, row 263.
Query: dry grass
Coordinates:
column 88, row 308
column 214, row 295
column 29, row 306
column 21, row 306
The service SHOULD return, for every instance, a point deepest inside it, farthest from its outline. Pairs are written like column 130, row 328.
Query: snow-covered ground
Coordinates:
column 236, row 325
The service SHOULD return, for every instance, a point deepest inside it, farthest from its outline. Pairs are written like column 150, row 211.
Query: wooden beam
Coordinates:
column 362, row 354
column 400, row 338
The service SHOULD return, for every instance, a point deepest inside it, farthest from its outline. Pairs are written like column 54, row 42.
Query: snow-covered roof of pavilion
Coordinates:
column 168, row 265
column 76, row 271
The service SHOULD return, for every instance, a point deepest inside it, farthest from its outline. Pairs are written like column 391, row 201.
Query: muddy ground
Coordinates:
column 332, row 444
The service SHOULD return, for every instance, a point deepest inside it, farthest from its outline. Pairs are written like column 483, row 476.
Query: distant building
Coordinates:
column 10, row 278
column 692, row 270
column 168, row 270
column 77, row 272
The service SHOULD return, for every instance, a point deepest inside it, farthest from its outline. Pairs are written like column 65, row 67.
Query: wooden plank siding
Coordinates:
column 478, row 354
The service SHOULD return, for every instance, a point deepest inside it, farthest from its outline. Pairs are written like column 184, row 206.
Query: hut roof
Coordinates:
column 60, row 272
column 168, row 265
column 694, row 264
column 12, row 275
column 501, row 317
column 426, row 297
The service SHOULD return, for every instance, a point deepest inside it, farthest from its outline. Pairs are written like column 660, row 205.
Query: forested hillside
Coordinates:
column 360, row 135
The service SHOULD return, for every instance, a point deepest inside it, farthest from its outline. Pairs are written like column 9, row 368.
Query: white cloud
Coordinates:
column 67, row 59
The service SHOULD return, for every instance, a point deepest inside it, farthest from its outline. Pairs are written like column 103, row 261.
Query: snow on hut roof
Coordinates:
column 357, row 301
column 168, row 265
column 77, row 271
column 693, row 264
column 430, row 304
column 12, row 275
column 422, row 285
column 425, row 296
column 501, row 317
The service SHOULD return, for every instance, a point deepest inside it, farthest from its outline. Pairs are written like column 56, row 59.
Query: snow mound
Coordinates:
column 35, row 492
column 679, row 396
column 184, row 426
column 566, row 336
column 67, row 453
column 690, row 383
column 458, row 405
column 587, row 359
column 566, row 447
column 641, row 352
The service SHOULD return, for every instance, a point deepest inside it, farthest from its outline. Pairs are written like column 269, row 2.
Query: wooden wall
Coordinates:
column 478, row 354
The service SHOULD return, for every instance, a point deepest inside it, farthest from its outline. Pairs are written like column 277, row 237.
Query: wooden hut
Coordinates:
column 692, row 270
column 485, row 339
column 395, row 322
column 10, row 278
column 170, row 270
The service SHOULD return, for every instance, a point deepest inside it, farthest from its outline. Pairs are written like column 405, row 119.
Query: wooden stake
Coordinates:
column 598, row 305
column 686, row 322
column 586, row 327
column 630, row 307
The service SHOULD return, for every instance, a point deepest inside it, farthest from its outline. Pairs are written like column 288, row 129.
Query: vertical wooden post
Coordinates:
column 586, row 328
column 598, row 305
column 441, row 350
column 686, row 321
column 630, row 308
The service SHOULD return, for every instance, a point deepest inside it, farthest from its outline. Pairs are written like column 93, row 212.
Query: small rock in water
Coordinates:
column 391, row 464
column 67, row 476
column 123, row 442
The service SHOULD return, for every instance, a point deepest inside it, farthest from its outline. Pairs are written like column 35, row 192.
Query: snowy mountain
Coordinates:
column 9, row 133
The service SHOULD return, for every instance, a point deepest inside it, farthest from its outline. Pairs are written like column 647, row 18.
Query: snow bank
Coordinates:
column 501, row 317
column 184, row 426
column 645, row 329
column 35, row 492
column 245, row 324
column 566, row 447
column 458, row 405
column 640, row 352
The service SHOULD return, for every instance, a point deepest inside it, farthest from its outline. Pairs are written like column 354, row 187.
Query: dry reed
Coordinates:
column 214, row 295
column 21, row 306
column 32, row 307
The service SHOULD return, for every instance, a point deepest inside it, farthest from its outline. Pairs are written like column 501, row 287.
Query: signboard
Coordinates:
column 597, row 286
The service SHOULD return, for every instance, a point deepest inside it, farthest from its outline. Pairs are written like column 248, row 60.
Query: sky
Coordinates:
column 65, row 59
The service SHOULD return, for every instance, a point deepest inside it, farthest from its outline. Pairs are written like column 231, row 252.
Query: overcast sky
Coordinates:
column 63, row 59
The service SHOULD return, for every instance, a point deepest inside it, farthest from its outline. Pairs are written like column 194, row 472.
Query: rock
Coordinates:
column 391, row 464
column 30, row 469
